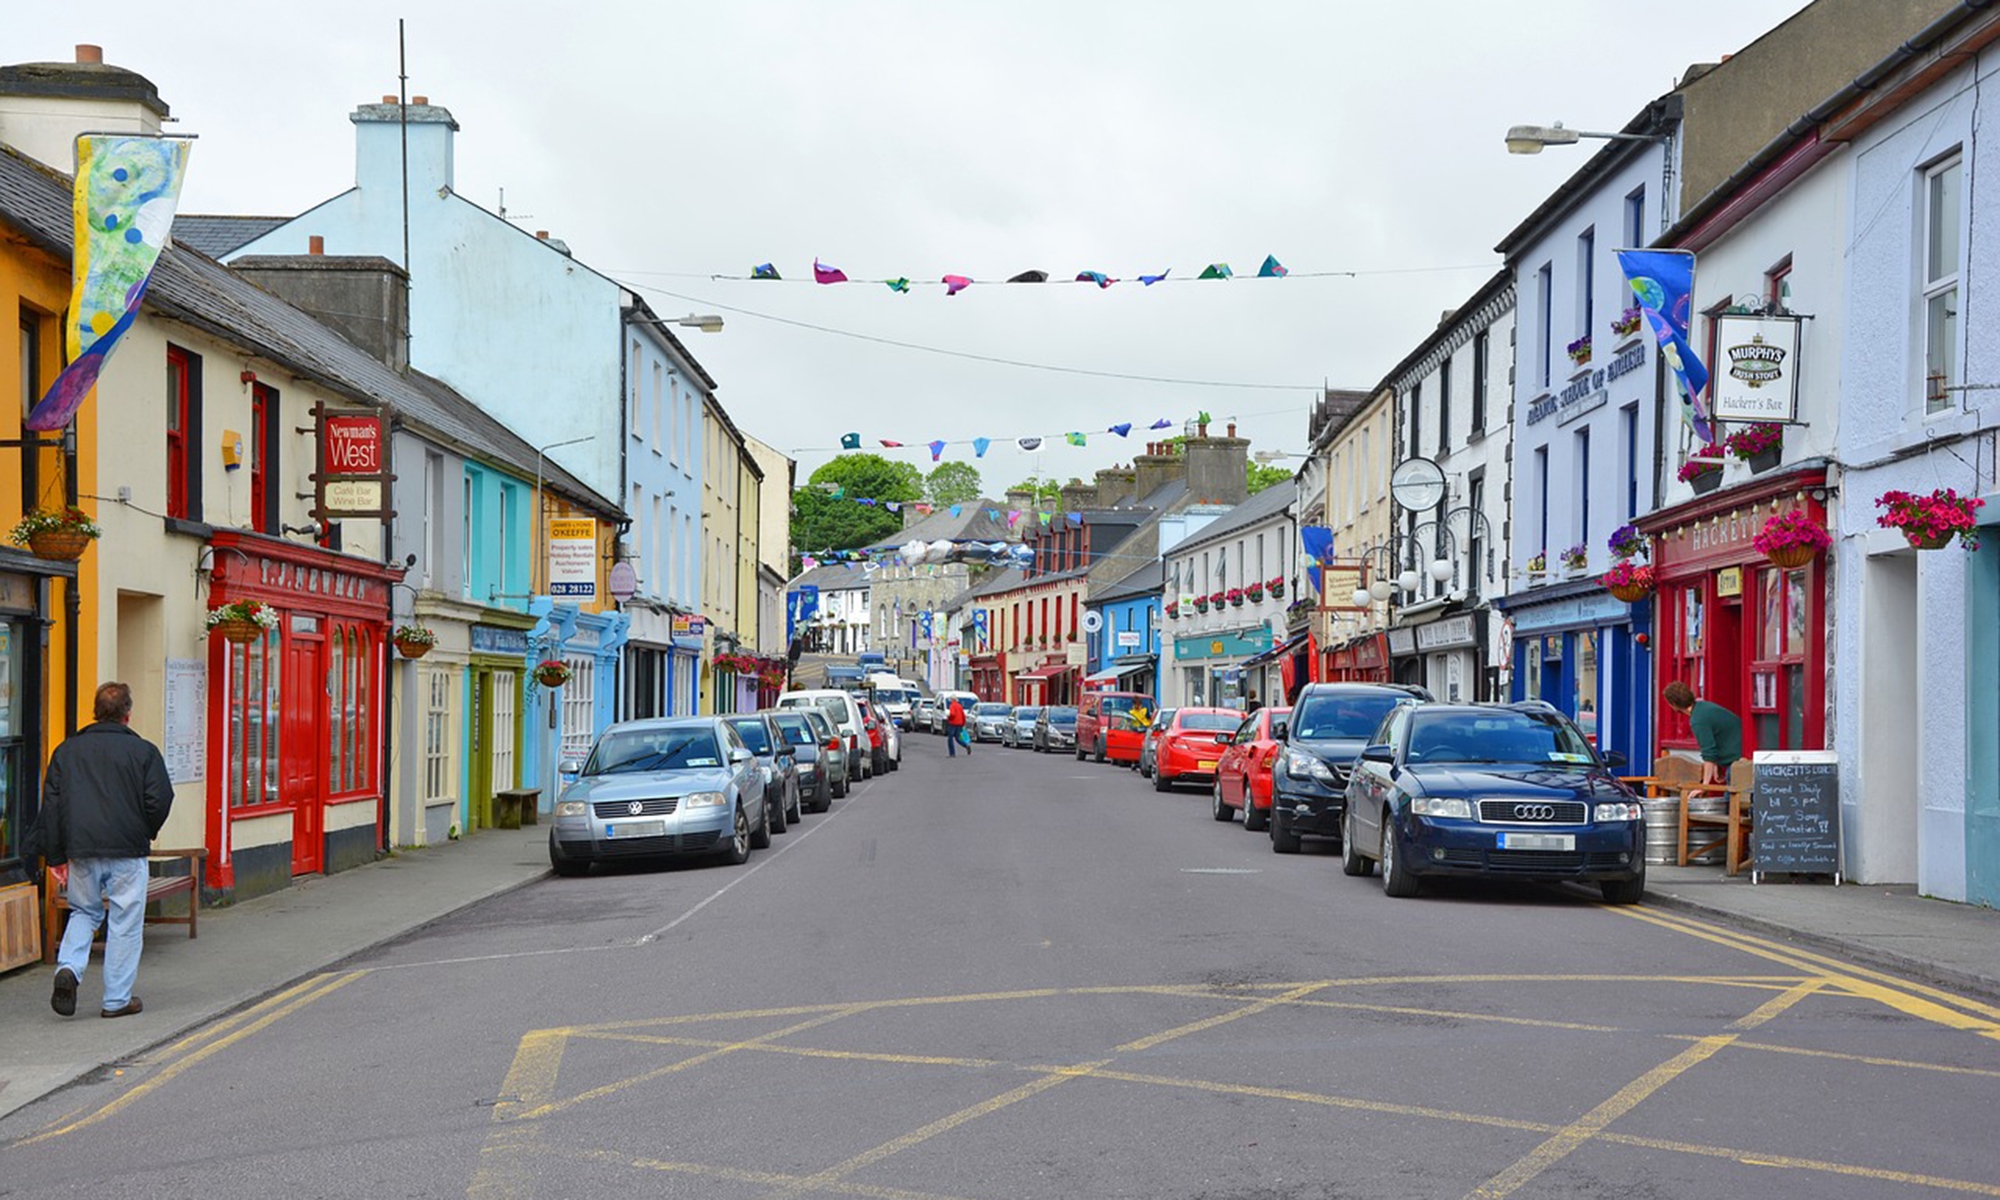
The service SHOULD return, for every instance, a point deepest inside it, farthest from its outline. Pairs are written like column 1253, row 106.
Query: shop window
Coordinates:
column 254, row 716
column 14, row 743
column 1778, row 673
column 350, row 679
column 1584, row 711
column 1940, row 306
column 576, row 695
column 505, row 690
column 440, row 779
column 1686, row 611
column 263, row 457
column 183, row 434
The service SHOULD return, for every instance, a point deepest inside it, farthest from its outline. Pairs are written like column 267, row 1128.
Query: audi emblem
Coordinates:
column 1534, row 812
column 635, row 808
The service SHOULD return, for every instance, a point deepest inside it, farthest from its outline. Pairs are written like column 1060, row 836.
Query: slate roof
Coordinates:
column 196, row 290
column 831, row 577
column 971, row 524
column 1149, row 580
column 218, row 235
column 1260, row 507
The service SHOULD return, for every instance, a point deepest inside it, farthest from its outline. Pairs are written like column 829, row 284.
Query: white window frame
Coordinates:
column 1941, row 287
column 440, row 747
column 506, row 687
column 579, row 697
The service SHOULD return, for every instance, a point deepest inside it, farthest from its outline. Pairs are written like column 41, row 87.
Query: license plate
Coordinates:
column 1206, row 764
column 1538, row 841
column 632, row 829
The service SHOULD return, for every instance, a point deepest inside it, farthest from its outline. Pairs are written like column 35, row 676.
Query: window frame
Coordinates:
column 183, row 439
column 1936, row 398
column 1482, row 362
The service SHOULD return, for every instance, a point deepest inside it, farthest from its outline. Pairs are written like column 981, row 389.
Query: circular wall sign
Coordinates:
column 1417, row 484
column 624, row 581
column 1092, row 622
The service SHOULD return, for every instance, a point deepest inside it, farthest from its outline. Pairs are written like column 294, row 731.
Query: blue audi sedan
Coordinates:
column 654, row 788
column 1500, row 791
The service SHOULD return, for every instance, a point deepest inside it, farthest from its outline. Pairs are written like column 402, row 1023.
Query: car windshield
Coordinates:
column 993, row 710
column 1353, row 715
column 1221, row 722
column 889, row 696
column 1062, row 716
column 754, row 735
column 1025, row 714
column 1498, row 736
column 626, row 751
column 1118, row 704
column 796, row 730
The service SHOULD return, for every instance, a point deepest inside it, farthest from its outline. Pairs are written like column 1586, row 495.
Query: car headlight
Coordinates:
column 572, row 808
column 1308, row 766
column 1428, row 806
column 704, row 800
column 1620, row 812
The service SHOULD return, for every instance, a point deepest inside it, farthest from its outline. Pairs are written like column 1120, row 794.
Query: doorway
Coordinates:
column 301, row 745
column 1882, row 809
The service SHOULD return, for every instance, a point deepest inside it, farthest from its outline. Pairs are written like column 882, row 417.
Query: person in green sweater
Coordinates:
column 1717, row 731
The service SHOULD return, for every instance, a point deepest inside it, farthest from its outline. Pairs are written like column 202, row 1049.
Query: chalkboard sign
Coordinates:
column 1796, row 813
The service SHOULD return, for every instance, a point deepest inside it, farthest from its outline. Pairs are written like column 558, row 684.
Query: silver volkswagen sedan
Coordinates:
column 654, row 788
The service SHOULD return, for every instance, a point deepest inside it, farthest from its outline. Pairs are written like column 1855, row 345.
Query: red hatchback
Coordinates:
column 1191, row 745
column 1243, row 777
column 1104, row 726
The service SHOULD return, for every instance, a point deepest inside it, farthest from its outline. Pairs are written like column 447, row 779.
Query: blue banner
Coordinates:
column 1317, row 541
column 1663, row 280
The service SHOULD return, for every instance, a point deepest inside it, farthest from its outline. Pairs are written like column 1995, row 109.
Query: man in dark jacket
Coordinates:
column 104, row 800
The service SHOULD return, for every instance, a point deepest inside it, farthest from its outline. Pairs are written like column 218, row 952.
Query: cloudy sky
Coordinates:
column 672, row 142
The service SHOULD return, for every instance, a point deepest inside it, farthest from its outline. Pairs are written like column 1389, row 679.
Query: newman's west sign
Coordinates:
column 352, row 476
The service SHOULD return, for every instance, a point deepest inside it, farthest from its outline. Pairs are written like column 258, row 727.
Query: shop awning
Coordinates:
column 1276, row 652
column 1132, row 664
column 1041, row 673
column 1109, row 675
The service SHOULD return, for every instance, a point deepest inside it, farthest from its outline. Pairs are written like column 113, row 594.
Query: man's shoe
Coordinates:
column 64, row 999
column 132, row 1008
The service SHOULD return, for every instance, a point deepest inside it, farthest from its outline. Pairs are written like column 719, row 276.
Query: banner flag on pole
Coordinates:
column 1664, row 282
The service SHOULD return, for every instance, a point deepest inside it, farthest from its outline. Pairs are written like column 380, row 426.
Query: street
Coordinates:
column 1015, row 975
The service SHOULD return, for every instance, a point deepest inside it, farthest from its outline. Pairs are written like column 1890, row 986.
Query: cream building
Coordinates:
column 1356, row 451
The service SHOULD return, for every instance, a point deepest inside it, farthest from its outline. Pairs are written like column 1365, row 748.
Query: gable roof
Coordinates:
column 970, row 525
column 1260, row 507
column 831, row 577
column 1149, row 580
column 216, row 235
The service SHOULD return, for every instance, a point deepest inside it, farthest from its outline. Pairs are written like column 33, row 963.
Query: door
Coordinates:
column 301, row 746
column 479, row 789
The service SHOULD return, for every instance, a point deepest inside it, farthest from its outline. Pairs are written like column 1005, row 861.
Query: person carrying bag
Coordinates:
column 956, row 732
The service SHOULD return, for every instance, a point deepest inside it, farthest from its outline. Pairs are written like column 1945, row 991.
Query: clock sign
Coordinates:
column 1417, row 484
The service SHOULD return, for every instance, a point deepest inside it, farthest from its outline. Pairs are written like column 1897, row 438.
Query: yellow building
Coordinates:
column 1356, row 462
column 730, row 508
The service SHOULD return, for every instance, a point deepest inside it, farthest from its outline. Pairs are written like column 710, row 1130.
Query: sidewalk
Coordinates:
column 1886, row 926
column 246, row 951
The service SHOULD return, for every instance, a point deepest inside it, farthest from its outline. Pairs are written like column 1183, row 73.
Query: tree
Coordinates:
column 821, row 522
column 1259, row 476
column 952, row 483
column 1042, row 489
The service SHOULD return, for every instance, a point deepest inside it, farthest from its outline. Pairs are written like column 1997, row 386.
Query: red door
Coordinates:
column 301, row 746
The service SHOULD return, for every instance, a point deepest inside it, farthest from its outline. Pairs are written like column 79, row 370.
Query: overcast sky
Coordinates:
column 670, row 142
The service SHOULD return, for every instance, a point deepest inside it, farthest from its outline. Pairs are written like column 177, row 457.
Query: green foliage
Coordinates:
column 820, row 522
column 952, row 483
column 1260, row 476
column 1043, row 489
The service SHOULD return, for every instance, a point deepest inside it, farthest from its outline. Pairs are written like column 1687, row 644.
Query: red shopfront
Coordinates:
column 1363, row 660
column 296, row 717
column 988, row 680
column 1736, row 627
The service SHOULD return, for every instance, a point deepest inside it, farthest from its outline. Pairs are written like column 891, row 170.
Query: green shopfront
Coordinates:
column 1208, row 667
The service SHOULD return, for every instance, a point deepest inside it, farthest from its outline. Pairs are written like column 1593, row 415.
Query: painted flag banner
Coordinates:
column 954, row 284
column 1317, row 541
column 1271, row 269
column 892, row 445
column 826, row 274
column 1162, row 423
column 924, row 509
column 126, row 191
column 979, row 446
column 937, row 449
column 1122, row 429
column 1150, row 280
column 1097, row 277
column 1030, row 277
column 764, row 271
column 1215, row 271
column 1029, row 444
column 893, row 505
column 850, row 441
column 1663, row 280
column 956, row 509
column 1075, row 439
column 899, row 284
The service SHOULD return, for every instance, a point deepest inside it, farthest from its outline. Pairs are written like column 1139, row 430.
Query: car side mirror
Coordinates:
column 740, row 756
column 1615, row 759
column 1378, row 754
column 570, row 766
column 1279, row 729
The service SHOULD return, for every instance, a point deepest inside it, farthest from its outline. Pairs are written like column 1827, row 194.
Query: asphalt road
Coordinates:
column 1016, row 976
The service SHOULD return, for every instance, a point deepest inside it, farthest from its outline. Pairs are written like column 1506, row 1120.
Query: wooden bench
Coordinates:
column 1729, row 829
column 55, row 901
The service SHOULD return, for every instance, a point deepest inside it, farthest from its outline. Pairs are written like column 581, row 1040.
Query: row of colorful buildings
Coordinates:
column 563, row 526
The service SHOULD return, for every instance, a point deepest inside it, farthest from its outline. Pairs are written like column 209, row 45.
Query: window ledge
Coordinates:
column 193, row 529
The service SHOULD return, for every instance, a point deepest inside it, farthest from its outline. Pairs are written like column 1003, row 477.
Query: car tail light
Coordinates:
column 832, row 744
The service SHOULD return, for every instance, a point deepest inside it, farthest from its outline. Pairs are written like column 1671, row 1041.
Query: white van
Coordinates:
column 841, row 710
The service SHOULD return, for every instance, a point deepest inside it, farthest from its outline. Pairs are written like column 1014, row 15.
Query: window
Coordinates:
column 1545, row 295
column 1940, row 284
column 1542, row 497
column 1685, row 616
column 1628, row 437
column 1586, row 283
column 183, row 434
column 1778, row 285
column 1635, row 218
column 350, row 686
column 1583, row 485
column 440, row 777
column 263, row 457
column 253, row 722
column 504, row 692
column 659, row 399
column 433, row 518
column 1480, row 353
column 576, row 705
column 465, row 540
column 1444, row 407
column 638, row 394
column 1475, row 499
column 1416, row 419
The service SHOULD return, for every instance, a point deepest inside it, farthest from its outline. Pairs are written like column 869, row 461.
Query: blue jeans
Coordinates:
column 95, row 886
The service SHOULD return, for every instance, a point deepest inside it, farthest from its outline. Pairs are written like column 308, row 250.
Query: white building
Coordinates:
column 1226, row 609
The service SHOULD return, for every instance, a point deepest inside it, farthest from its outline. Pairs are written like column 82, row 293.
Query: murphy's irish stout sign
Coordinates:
column 1755, row 377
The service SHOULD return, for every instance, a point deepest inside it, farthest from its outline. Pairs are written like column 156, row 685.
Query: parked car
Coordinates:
column 871, row 661
column 895, row 700
column 781, row 771
column 1019, row 731
column 989, row 718
column 1190, row 744
column 1243, row 777
column 821, row 761
column 1149, row 744
column 659, row 787
column 882, row 738
column 1329, row 726
column 1055, row 730
column 1105, row 728
column 966, row 700
column 923, row 714
column 1496, row 791
column 844, row 712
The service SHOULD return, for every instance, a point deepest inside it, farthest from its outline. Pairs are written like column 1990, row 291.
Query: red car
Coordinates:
column 1243, row 778
column 1191, row 744
column 1104, row 726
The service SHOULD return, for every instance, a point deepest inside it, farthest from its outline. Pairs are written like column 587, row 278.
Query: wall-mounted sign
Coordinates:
column 1461, row 629
column 1756, row 377
column 1729, row 581
column 573, row 558
column 353, row 474
column 498, row 639
column 1130, row 639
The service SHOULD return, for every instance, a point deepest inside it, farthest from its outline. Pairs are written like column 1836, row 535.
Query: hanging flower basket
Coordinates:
column 56, row 536
column 1254, row 593
column 1234, row 596
column 1791, row 540
column 242, row 621
column 414, row 641
column 1201, row 604
column 1629, row 581
column 1930, row 522
column 552, row 673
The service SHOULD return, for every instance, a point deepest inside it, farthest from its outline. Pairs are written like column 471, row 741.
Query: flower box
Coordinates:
column 1235, row 597
column 56, row 536
column 1792, row 539
column 1579, row 350
column 1577, row 557
column 1627, row 323
column 1277, row 587
column 1930, row 522
column 1760, row 444
column 1627, row 542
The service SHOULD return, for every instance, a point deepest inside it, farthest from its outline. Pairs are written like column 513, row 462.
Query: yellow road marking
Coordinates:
column 218, row 1028
column 1758, row 1158
column 739, row 1175
column 914, row 1060
column 165, row 1074
column 868, row 1158
column 1450, row 1013
column 1870, row 1060
column 1248, row 1010
column 1326, row 1101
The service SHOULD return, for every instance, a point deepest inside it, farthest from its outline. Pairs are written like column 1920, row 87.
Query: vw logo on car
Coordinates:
column 635, row 808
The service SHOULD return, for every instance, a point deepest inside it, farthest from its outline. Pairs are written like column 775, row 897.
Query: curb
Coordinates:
column 1920, row 970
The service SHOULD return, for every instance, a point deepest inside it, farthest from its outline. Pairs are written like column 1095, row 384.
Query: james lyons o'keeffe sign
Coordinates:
column 573, row 558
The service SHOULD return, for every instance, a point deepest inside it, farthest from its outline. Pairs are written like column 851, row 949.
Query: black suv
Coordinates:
column 1328, row 726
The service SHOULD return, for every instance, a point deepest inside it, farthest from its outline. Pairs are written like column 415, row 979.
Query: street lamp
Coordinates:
column 1530, row 139
column 706, row 322
column 541, row 514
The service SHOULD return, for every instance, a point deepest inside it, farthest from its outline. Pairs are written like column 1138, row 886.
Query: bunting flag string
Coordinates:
column 826, row 273
column 1028, row 443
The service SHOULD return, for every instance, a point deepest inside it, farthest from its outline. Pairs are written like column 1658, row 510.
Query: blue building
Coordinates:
column 1124, row 650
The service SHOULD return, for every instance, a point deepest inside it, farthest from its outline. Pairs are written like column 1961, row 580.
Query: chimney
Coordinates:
column 362, row 297
column 1078, row 495
column 1114, row 485
column 315, row 244
column 44, row 106
column 1217, row 469
column 1020, row 500
column 378, row 146
column 1153, row 470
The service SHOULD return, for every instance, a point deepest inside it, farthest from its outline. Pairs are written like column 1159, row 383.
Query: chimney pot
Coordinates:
column 541, row 235
column 388, row 100
column 1232, row 429
column 87, row 53
column 420, row 100
column 316, row 244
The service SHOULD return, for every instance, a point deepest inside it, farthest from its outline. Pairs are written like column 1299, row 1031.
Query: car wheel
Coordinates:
column 1253, row 820
column 737, row 851
column 780, row 819
column 1160, row 781
column 1283, row 840
column 1623, row 891
column 1100, row 750
column 823, row 795
column 568, row 868
column 1352, row 861
column 1397, row 879
column 760, row 834
column 1080, row 756
column 1216, row 808
column 839, row 792
column 797, row 810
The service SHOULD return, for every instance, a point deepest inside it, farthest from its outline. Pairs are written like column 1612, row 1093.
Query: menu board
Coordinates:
column 1795, row 809
column 187, row 715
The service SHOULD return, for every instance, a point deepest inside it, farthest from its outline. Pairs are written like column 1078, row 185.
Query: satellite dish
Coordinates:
column 1092, row 622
